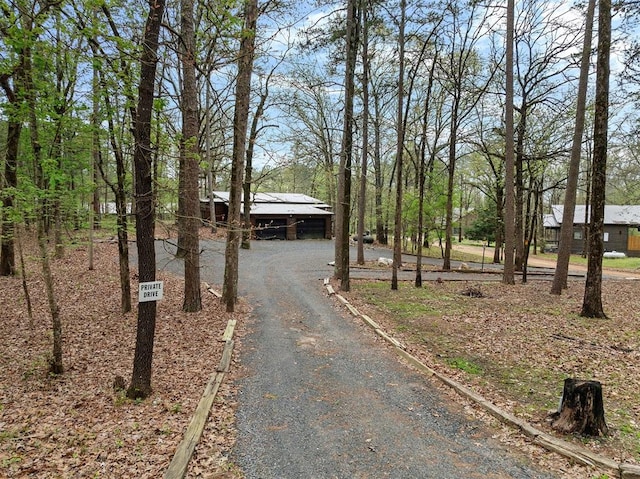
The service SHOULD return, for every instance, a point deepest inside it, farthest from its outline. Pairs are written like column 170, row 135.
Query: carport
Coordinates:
column 284, row 216
column 290, row 221
column 266, row 229
column 311, row 228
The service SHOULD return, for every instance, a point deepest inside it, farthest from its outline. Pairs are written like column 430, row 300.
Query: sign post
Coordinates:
column 151, row 291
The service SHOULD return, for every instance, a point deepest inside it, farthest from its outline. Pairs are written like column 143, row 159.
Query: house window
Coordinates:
column 606, row 237
column 577, row 235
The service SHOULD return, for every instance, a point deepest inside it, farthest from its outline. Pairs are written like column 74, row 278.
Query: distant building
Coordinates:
column 287, row 216
column 109, row 208
column 621, row 229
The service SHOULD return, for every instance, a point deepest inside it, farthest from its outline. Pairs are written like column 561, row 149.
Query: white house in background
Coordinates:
column 621, row 228
column 109, row 208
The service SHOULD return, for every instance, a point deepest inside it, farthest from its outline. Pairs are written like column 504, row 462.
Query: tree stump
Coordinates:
column 581, row 409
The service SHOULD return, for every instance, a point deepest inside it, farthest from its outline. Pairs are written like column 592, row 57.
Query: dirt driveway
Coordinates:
column 320, row 397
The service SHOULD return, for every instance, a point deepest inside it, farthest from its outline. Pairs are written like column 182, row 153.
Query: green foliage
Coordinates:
column 465, row 365
column 484, row 228
column 8, row 462
column 433, row 210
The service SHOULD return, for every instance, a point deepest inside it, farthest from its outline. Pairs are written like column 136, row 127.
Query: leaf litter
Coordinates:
column 77, row 424
column 515, row 345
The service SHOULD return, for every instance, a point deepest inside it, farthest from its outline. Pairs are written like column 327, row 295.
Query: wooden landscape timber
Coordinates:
column 577, row 453
column 178, row 466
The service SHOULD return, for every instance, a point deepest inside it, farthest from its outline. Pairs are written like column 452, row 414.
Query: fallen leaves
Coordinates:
column 515, row 344
column 77, row 424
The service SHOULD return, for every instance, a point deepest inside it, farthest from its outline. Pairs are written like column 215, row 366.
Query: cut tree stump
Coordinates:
column 581, row 409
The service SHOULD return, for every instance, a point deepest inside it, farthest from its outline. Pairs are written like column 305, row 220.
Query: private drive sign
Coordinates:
column 151, row 291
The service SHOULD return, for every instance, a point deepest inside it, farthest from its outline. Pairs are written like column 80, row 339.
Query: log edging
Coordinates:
column 178, row 467
column 538, row 437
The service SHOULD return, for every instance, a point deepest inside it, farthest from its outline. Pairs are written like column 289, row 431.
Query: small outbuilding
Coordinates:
column 621, row 228
column 286, row 216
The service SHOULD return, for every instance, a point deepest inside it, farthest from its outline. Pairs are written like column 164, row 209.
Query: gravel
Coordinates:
column 323, row 398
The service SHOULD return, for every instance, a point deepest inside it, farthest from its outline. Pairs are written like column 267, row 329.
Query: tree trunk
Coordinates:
column 532, row 221
column 95, row 120
column 95, row 159
column 422, row 176
column 14, row 128
column 397, row 234
column 122, row 223
column 448, row 231
column 240, row 120
column 210, row 170
column 520, row 220
column 581, row 410
column 95, row 200
column 55, row 363
column 120, row 195
column 246, row 202
column 592, row 303
column 352, row 34
column 190, row 130
column 181, row 214
column 362, row 197
column 568, row 209
column 499, row 233
column 509, row 207
column 23, row 275
column 140, row 386
column 381, row 236
column 248, row 170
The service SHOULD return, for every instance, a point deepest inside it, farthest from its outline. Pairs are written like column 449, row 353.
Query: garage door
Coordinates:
column 311, row 228
column 272, row 229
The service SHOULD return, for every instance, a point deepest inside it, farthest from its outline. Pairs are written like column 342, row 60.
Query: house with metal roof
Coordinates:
column 287, row 216
column 621, row 228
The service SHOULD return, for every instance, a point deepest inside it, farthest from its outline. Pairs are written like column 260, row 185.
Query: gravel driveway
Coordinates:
column 323, row 398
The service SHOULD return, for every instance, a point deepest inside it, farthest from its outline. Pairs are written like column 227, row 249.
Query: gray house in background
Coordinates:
column 621, row 229
column 286, row 216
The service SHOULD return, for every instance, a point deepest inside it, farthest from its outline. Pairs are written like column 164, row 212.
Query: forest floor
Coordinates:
column 514, row 345
column 77, row 424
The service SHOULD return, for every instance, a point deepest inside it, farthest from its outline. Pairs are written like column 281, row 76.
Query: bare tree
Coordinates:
column 240, row 123
column 592, row 302
column 466, row 84
column 397, row 243
column 424, row 167
column 509, row 215
column 542, row 68
column 362, row 196
column 346, row 153
column 248, row 170
column 568, row 210
column 315, row 128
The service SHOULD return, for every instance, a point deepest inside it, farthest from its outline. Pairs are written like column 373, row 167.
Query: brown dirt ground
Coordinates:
column 516, row 344
column 76, row 424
